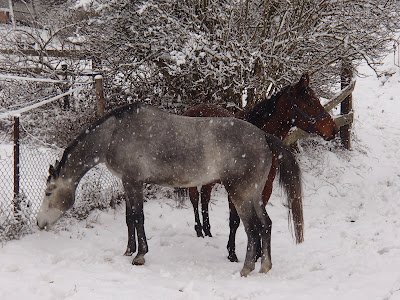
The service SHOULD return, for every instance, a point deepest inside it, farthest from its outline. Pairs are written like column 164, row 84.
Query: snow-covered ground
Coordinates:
column 352, row 236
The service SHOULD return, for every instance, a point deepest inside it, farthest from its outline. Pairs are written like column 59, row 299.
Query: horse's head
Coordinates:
column 308, row 113
column 59, row 197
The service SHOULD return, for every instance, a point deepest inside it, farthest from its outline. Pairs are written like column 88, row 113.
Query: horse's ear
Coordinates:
column 304, row 80
column 52, row 171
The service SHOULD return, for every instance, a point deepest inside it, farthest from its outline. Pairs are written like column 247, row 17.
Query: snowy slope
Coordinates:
column 352, row 237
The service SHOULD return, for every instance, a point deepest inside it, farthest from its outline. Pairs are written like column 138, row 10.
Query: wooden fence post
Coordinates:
column 346, row 106
column 100, row 104
column 11, row 8
column 66, row 104
column 17, row 199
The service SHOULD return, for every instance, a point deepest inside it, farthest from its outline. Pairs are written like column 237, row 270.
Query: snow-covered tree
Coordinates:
column 38, row 47
column 179, row 53
column 211, row 51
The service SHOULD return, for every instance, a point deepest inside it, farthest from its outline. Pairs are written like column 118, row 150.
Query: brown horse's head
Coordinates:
column 308, row 113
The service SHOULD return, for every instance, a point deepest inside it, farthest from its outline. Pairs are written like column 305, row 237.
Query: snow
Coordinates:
column 352, row 234
column 83, row 3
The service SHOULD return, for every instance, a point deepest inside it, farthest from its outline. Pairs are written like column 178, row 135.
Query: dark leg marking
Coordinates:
column 234, row 222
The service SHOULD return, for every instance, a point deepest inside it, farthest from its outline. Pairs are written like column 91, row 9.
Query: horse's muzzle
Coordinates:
column 333, row 135
column 42, row 225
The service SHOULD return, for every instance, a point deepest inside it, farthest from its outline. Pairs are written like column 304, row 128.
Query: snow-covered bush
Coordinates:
column 174, row 52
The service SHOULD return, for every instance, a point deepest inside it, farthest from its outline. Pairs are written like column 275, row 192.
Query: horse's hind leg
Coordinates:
column 205, row 200
column 194, row 198
column 134, row 192
column 234, row 222
column 265, row 234
column 252, row 226
column 131, row 247
column 266, row 194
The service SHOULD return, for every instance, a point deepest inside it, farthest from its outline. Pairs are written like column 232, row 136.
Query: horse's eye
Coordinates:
column 48, row 194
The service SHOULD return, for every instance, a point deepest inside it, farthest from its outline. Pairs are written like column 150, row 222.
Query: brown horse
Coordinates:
column 293, row 106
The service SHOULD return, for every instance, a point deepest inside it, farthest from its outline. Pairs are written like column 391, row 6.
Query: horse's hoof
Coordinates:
column 208, row 233
column 265, row 268
column 245, row 272
column 233, row 257
column 130, row 250
column 128, row 253
column 199, row 231
column 138, row 260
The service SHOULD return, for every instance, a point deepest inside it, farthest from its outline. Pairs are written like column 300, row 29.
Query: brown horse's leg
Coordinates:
column 194, row 198
column 266, row 194
column 205, row 200
column 234, row 222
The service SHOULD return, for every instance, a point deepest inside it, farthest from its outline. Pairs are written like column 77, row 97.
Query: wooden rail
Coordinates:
column 76, row 54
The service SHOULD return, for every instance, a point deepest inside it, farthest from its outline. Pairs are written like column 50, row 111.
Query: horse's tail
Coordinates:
column 290, row 180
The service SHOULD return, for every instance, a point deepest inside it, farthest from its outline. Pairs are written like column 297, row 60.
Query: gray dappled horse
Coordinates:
column 142, row 144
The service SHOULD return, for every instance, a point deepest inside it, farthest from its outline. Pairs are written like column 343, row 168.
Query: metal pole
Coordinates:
column 16, row 165
column 66, row 104
column 98, row 83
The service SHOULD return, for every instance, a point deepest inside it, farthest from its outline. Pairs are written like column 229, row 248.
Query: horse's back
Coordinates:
column 208, row 110
column 173, row 150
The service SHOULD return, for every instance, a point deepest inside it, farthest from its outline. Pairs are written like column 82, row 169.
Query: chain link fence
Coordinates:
column 98, row 189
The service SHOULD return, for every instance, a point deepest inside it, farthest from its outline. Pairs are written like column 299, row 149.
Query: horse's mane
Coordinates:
column 82, row 136
column 264, row 109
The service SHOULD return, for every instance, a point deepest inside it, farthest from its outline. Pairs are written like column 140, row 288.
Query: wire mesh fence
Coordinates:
column 98, row 189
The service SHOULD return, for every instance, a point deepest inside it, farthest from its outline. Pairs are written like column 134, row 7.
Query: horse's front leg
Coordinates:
column 205, row 200
column 134, row 192
column 234, row 222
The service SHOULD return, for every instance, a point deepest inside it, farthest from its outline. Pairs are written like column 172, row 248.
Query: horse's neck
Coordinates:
column 278, row 123
column 280, row 129
column 88, row 150
column 241, row 114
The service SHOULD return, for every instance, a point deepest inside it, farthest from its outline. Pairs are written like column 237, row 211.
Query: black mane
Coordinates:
column 82, row 136
column 263, row 110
